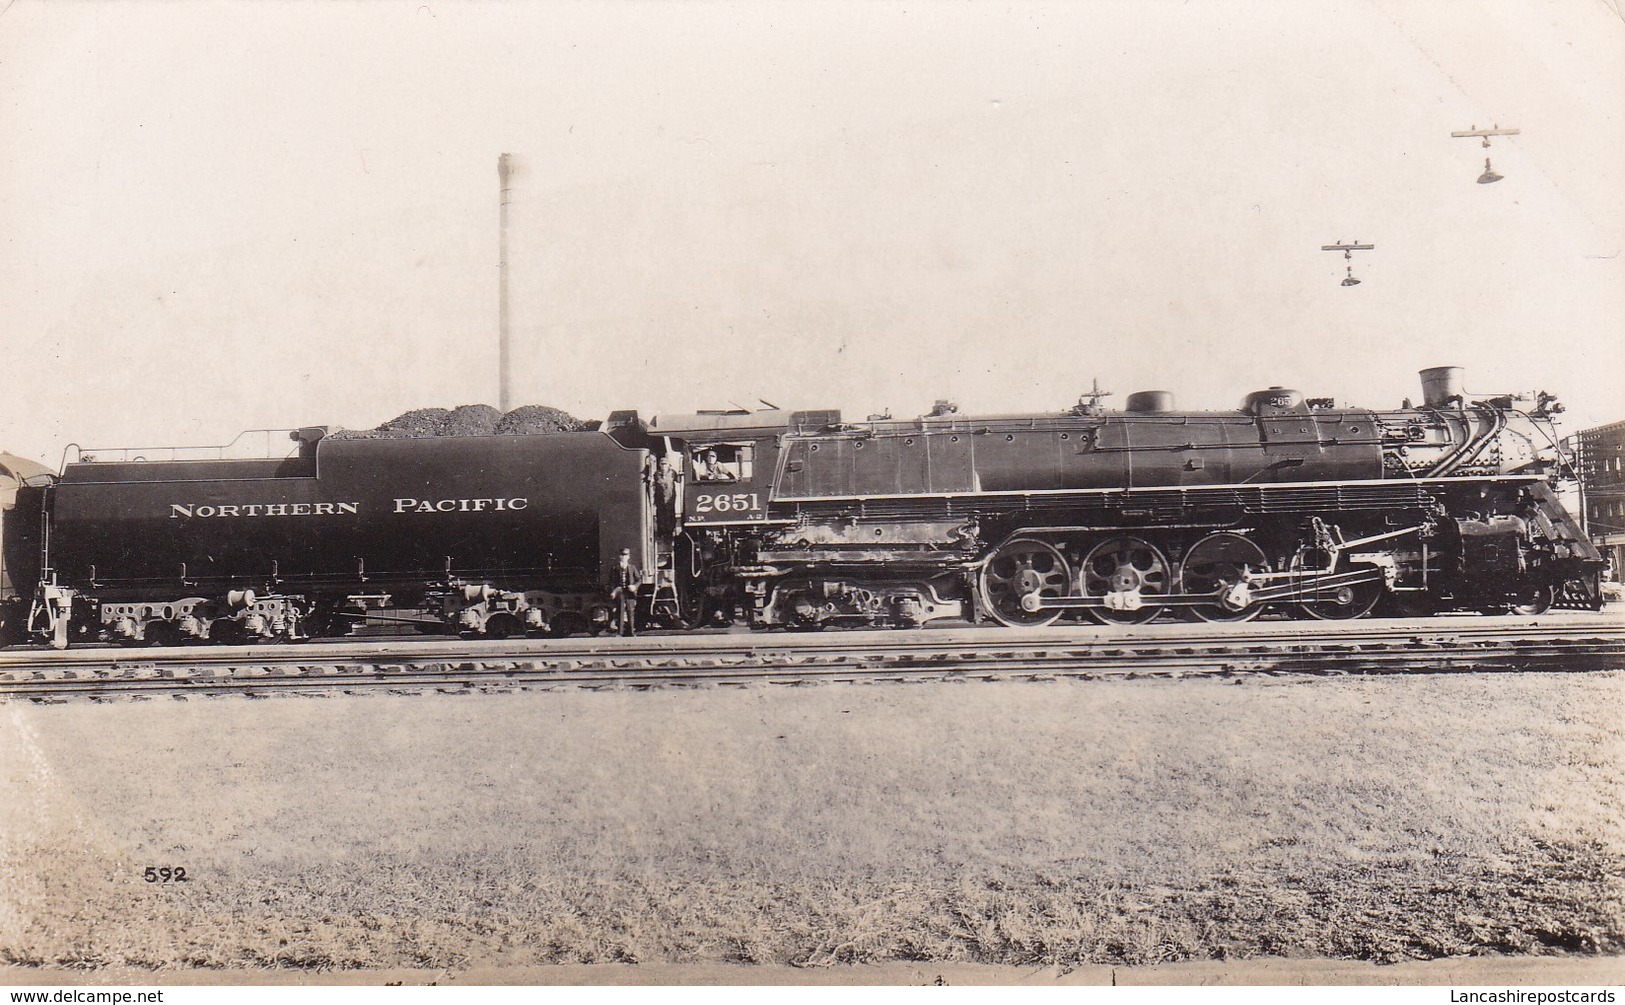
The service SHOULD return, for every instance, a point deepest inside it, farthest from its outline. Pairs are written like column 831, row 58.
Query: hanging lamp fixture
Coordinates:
column 1348, row 257
column 1489, row 174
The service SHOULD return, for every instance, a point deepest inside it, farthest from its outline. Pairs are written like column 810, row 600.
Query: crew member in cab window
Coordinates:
column 708, row 469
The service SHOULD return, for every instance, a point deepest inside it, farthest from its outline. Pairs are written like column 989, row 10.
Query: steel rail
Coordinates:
column 1581, row 648
column 488, row 681
column 1460, row 630
column 171, row 663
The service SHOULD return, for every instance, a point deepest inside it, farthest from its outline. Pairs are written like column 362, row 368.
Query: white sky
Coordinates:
column 220, row 216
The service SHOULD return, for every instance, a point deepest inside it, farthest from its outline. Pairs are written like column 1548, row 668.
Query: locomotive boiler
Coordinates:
column 1286, row 503
column 805, row 519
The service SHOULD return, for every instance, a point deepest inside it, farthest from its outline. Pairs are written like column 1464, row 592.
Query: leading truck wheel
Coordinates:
column 1019, row 568
column 1533, row 600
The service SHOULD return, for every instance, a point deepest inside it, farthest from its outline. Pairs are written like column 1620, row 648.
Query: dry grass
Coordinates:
column 1123, row 821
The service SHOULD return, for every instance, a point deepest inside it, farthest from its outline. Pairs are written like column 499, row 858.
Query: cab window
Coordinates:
column 722, row 462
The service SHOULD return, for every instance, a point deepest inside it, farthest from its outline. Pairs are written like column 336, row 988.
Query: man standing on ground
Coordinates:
column 624, row 580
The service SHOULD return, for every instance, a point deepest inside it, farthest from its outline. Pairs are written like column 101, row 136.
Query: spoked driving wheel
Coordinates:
column 1217, row 566
column 1127, row 570
column 1336, row 603
column 1345, row 602
column 1019, row 568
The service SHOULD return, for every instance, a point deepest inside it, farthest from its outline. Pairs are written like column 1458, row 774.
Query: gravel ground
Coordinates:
column 1065, row 824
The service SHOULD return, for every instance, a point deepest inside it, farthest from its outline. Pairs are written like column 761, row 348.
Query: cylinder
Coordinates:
column 1441, row 385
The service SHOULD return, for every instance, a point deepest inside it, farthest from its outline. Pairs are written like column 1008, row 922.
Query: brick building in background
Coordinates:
column 1601, row 452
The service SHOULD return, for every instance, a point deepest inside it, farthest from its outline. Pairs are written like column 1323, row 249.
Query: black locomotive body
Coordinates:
column 805, row 520
column 495, row 534
column 1121, row 516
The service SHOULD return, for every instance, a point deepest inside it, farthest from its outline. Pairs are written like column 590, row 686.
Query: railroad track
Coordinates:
column 1572, row 643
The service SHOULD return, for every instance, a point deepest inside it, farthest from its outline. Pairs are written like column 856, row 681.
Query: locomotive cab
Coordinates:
column 725, row 483
column 727, row 462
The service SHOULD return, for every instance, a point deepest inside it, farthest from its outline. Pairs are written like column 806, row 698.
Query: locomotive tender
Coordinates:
column 802, row 519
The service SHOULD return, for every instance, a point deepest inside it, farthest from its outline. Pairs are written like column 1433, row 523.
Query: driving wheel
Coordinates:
column 1214, row 566
column 1019, row 568
column 1129, row 567
column 1340, row 603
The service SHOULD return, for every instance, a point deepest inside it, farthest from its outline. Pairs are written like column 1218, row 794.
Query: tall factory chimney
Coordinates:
column 505, row 173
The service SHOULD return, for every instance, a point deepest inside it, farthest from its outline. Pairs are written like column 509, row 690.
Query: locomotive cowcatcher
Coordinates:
column 804, row 520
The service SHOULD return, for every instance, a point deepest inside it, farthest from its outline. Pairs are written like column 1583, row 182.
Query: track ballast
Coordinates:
column 1560, row 643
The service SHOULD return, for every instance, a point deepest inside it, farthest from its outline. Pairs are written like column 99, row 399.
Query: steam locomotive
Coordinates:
column 805, row 519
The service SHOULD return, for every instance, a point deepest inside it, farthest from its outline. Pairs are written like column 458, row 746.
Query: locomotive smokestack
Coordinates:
column 1441, row 386
column 505, row 172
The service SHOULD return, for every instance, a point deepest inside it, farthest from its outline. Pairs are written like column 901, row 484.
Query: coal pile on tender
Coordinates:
column 471, row 420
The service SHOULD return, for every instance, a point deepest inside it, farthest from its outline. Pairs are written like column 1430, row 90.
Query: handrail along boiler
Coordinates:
column 804, row 520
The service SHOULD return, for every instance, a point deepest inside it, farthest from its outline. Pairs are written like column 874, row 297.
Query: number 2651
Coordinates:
column 741, row 501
